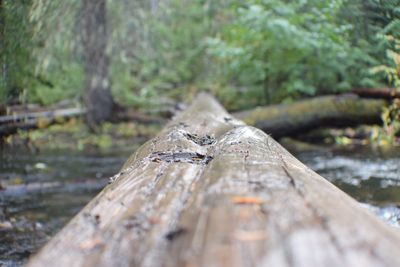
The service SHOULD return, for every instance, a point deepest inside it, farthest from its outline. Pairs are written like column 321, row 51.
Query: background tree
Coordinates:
column 245, row 52
column 94, row 38
column 2, row 44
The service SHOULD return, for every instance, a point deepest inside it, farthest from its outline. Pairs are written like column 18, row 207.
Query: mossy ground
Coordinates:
column 75, row 135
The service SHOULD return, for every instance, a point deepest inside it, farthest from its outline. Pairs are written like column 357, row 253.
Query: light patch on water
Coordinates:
column 389, row 214
column 354, row 170
column 365, row 174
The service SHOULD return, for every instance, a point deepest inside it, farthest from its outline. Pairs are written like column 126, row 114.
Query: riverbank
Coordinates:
column 75, row 135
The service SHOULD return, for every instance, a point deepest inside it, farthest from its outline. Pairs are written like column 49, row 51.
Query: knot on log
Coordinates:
column 180, row 156
column 200, row 140
column 179, row 134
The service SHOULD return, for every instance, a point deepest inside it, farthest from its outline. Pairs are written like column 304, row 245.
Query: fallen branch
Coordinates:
column 383, row 93
column 10, row 124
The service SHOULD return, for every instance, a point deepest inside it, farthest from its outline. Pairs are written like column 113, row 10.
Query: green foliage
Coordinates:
column 38, row 63
column 60, row 83
column 390, row 70
column 152, row 55
column 58, row 63
column 391, row 122
column 289, row 48
column 371, row 21
column 169, row 57
column 369, row 17
column 15, row 46
column 387, row 135
column 245, row 52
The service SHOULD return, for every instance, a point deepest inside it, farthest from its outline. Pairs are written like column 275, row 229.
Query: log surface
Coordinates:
column 211, row 191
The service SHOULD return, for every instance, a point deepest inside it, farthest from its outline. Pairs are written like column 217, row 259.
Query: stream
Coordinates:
column 40, row 192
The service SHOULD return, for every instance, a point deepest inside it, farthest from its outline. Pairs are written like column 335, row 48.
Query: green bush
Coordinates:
column 245, row 52
column 289, row 49
column 170, row 55
column 57, row 83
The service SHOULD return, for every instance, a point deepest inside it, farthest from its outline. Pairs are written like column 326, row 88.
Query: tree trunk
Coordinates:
column 98, row 96
column 3, row 69
column 302, row 116
column 211, row 191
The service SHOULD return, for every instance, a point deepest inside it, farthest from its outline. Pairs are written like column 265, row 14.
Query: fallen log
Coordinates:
column 211, row 191
column 302, row 116
column 48, row 114
column 384, row 93
column 27, row 120
column 10, row 124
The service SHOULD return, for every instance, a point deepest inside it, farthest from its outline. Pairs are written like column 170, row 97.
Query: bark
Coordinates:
column 302, row 116
column 98, row 97
column 211, row 191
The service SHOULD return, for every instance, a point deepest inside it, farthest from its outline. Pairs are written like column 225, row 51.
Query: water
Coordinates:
column 369, row 175
column 61, row 182
column 43, row 191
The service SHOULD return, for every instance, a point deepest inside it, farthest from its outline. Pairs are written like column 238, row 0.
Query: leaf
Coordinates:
column 247, row 200
column 91, row 244
column 248, row 236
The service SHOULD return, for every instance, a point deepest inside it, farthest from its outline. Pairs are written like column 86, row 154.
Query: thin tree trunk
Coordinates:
column 383, row 93
column 2, row 45
column 98, row 97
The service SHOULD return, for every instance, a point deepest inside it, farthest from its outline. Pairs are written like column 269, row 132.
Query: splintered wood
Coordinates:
column 211, row 191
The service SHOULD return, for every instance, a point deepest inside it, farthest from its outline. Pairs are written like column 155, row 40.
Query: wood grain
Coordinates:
column 211, row 191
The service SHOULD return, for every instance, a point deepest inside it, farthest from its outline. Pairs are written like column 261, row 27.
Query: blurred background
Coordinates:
column 247, row 53
column 84, row 82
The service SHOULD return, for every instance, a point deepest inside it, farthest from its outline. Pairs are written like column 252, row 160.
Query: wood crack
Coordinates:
column 180, row 156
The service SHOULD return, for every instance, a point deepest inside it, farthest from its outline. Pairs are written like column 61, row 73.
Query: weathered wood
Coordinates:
column 211, row 191
column 302, row 116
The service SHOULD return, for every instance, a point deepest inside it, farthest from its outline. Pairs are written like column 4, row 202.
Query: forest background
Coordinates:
column 149, row 54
